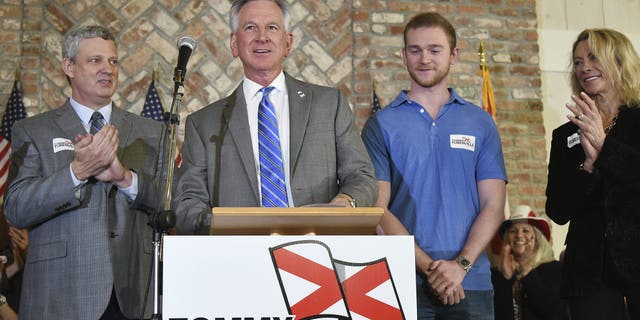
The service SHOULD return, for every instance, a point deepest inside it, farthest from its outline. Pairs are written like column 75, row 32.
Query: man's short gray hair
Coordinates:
column 238, row 4
column 72, row 39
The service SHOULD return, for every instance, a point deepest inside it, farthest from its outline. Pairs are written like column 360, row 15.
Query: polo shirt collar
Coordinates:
column 403, row 98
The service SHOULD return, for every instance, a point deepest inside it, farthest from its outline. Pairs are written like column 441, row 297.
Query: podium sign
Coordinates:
column 288, row 277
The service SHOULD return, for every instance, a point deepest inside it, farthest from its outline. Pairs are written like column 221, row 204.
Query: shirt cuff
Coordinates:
column 76, row 181
column 132, row 190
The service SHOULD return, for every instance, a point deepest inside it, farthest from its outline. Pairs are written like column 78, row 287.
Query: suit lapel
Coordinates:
column 68, row 121
column 119, row 118
column 70, row 126
column 299, row 112
column 236, row 116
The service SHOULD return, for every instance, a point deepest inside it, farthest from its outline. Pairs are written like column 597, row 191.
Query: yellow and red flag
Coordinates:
column 488, row 99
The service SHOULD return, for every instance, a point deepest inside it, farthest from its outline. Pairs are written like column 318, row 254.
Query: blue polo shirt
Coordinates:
column 434, row 166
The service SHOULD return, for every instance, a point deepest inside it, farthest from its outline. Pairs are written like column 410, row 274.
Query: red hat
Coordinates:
column 525, row 214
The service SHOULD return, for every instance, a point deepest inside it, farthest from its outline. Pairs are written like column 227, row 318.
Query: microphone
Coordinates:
column 186, row 45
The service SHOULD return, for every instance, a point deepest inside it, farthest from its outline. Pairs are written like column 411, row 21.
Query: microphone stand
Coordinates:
column 162, row 221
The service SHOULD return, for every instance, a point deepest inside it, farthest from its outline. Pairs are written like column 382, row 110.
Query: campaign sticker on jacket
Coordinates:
column 62, row 144
column 462, row 141
column 573, row 140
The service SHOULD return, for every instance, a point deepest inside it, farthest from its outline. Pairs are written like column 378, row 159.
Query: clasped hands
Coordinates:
column 97, row 156
column 586, row 116
column 445, row 280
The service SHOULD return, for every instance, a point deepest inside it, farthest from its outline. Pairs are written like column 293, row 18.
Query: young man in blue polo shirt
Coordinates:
column 441, row 176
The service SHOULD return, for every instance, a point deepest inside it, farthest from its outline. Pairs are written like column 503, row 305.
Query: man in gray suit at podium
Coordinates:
column 79, row 179
column 275, row 141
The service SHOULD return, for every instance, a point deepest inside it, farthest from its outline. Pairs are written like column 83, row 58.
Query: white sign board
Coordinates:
column 288, row 277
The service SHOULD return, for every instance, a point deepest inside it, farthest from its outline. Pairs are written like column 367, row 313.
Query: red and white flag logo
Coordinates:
column 316, row 286
column 369, row 290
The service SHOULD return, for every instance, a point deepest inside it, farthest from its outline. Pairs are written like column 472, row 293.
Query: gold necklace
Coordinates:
column 610, row 126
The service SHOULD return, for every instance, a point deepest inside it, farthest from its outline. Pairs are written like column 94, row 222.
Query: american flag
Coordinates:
column 14, row 112
column 153, row 109
column 376, row 103
column 152, row 104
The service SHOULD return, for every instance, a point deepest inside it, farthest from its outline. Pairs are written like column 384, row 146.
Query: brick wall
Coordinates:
column 345, row 44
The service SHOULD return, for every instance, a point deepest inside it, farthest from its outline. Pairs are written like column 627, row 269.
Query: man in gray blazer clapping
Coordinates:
column 81, row 178
column 275, row 141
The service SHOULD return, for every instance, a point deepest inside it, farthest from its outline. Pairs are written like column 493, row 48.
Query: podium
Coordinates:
column 241, row 271
column 323, row 220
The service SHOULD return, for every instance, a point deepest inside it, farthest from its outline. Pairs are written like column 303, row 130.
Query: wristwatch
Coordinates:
column 3, row 300
column 464, row 263
column 349, row 198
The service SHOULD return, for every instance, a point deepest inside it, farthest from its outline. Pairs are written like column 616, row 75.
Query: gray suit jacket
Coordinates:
column 81, row 248
column 218, row 168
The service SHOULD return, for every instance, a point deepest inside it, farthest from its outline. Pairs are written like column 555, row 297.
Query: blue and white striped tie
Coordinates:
column 96, row 123
column 274, row 190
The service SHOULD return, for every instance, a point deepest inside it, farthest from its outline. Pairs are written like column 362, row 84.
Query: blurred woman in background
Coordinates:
column 526, row 279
